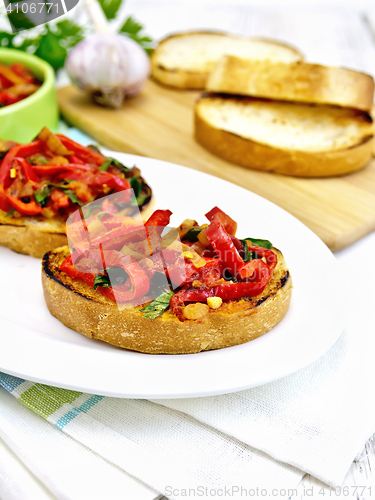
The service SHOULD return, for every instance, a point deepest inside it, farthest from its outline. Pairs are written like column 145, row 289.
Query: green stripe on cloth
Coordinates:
column 45, row 400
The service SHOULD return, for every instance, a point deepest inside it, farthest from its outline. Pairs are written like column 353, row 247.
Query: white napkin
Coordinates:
column 316, row 420
column 169, row 451
column 66, row 468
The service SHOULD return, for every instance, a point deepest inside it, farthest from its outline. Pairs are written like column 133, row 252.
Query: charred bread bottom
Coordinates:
column 88, row 312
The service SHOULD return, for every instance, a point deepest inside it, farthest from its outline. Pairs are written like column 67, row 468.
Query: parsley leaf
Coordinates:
column 51, row 50
column 157, row 306
column 136, row 185
column 259, row 243
column 134, row 30
column 113, row 276
column 110, row 7
column 112, row 161
column 9, row 213
column 247, row 254
column 101, row 280
column 192, row 234
column 53, row 42
column 42, row 194
column 72, row 196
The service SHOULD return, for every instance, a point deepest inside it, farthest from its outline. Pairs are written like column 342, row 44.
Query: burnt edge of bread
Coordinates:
column 279, row 285
column 50, row 272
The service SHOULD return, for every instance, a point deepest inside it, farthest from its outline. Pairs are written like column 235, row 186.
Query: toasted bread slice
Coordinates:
column 293, row 139
column 294, row 81
column 88, row 312
column 185, row 60
column 31, row 235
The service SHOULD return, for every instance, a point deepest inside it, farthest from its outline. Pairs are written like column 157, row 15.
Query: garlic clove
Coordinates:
column 109, row 66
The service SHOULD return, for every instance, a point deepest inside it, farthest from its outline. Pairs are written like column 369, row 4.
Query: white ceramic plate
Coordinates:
column 36, row 346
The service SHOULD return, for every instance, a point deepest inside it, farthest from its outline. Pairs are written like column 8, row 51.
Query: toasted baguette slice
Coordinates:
column 31, row 235
column 185, row 60
column 295, row 81
column 292, row 139
column 88, row 312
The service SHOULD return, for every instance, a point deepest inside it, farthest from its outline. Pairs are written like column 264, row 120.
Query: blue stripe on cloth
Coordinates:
column 84, row 408
column 9, row 382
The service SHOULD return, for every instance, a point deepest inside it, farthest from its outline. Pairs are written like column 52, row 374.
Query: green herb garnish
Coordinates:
column 53, row 41
column 136, row 185
column 112, row 161
column 9, row 213
column 134, row 30
column 42, row 194
column 112, row 276
column 247, row 254
column 110, row 7
column 101, row 280
column 260, row 243
column 192, row 234
column 72, row 196
column 157, row 306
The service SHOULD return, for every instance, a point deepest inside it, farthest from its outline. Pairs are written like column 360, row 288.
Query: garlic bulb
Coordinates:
column 109, row 66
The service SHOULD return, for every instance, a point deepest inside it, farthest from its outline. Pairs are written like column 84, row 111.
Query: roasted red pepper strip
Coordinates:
column 112, row 239
column 20, row 70
column 137, row 287
column 31, row 208
column 112, row 182
column 28, row 170
column 48, row 170
column 6, row 98
column 269, row 255
column 226, row 291
column 159, row 218
column 154, row 226
column 254, row 271
column 21, row 150
column 109, row 207
column 223, row 245
column 75, row 159
column 83, row 153
column 229, row 224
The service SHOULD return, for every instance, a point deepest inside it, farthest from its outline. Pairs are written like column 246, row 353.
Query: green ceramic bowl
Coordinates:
column 22, row 121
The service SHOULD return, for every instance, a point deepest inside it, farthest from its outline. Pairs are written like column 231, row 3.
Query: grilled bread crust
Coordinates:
column 292, row 139
column 31, row 235
column 36, row 236
column 184, row 60
column 295, row 81
column 83, row 309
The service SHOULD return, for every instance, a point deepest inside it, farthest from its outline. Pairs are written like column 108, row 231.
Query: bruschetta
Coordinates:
column 43, row 182
column 174, row 291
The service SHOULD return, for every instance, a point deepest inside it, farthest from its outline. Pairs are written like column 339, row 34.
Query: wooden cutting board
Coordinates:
column 158, row 123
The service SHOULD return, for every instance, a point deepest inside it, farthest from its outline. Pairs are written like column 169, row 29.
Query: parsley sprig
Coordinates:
column 43, row 192
column 112, row 276
column 157, row 306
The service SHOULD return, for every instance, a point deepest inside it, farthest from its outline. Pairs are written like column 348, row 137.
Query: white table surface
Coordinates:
column 340, row 33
